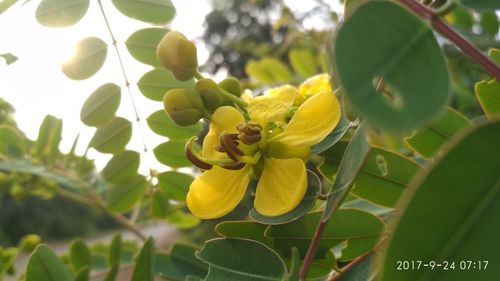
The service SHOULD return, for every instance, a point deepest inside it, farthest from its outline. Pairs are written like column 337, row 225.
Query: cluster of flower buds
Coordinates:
column 185, row 106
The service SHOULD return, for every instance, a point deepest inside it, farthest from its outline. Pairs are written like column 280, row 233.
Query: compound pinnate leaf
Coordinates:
column 175, row 184
column 172, row 154
column 160, row 123
column 100, row 107
column 241, row 259
column 61, row 13
column 151, row 11
column 450, row 212
column 122, row 167
column 401, row 49
column 157, row 82
column 122, row 197
column 89, row 57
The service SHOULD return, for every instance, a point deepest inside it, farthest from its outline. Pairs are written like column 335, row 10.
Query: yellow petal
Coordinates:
column 273, row 106
column 217, row 192
column 312, row 86
column 281, row 187
column 225, row 119
column 313, row 121
column 282, row 150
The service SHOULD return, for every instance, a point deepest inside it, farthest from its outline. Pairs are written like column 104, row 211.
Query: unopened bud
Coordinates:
column 177, row 54
column 183, row 106
column 30, row 242
column 209, row 93
column 232, row 86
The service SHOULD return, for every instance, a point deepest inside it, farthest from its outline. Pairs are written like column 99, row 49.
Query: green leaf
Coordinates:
column 172, row 154
column 89, row 57
column 180, row 263
column 145, row 266
column 160, row 123
column 83, row 274
column 152, row 11
column 333, row 137
column 489, row 23
column 115, row 250
column 123, row 197
column 122, row 167
column 160, row 206
column 461, row 18
column 294, row 268
column 11, row 142
column 8, row 57
column 45, row 265
column 303, row 61
column 243, row 229
column 100, row 107
column 154, row 84
column 494, row 54
column 268, row 70
column 175, row 184
column 428, row 140
column 400, row 48
column 182, row 220
column 112, row 273
column 362, row 271
column 382, row 178
column 142, row 44
column 488, row 94
column 80, row 255
column 61, row 13
column 353, row 159
column 242, row 260
column 450, row 212
column 49, row 137
column 6, row 4
column 360, row 229
column 113, row 136
column 484, row 5
column 305, row 205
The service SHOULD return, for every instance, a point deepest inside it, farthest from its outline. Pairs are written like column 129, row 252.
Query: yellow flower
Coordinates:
column 266, row 148
column 313, row 85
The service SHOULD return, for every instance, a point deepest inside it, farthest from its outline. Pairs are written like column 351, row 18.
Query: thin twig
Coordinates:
column 446, row 31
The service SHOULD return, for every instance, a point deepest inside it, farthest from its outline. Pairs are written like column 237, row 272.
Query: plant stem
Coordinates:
column 127, row 83
column 446, row 31
column 349, row 266
column 311, row 251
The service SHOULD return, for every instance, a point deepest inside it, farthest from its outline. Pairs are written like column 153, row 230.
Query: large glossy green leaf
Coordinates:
column 180, row 263
column 428, row 140
column 112, row 137
column 100, row 107
column 151, row 11
column 11, row 142
column 172, row 154
column 400, row 48
column 382, row 178
column 45, row 265
column 160, row 123
column 157, row 82
column 123, row 197
column 80, row 255
column 145, row 266
column 359, row 229
column 353, row 159
column 142, row 44
column 242, row 260
column 175, row 184
column 485, row 5
column 89, row 57
column 305, row 205
column 49, row 137
column 488, row 94
column 450, row 212
column 61, row 13
column 122, row 167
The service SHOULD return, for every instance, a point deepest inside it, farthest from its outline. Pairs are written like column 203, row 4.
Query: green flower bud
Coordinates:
column 209, row 93
column 178, row 55
column 231, row 85
column 29, row 242
column 183, row 106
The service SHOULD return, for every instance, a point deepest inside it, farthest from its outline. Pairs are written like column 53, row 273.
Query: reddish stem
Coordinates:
column 311, row 251
column 446, row 31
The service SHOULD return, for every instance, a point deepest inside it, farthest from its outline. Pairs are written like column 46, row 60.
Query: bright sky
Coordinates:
column 36, row 86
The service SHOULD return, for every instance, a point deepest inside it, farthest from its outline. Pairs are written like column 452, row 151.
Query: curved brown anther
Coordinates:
column 197, row 162
column 249, row 139
column 235, row 166
column 228, row 142
column 220, row 148
column 250, row 129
